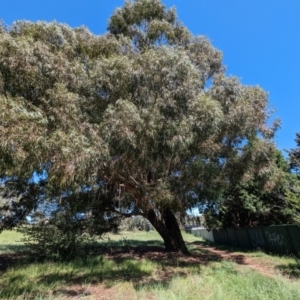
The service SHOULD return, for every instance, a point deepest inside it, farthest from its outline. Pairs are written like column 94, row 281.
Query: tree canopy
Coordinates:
column 140, row 120
column 254, row 203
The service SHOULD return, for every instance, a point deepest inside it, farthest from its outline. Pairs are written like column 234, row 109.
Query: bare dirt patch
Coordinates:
column 259, row 265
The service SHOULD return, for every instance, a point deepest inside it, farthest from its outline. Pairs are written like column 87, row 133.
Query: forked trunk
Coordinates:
column 168, row 228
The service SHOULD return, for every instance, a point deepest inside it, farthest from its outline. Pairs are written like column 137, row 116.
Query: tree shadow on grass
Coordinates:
column 168, row 264
column 137, row 264
column 291, row 270
column 65, row 278
column 123, row 244
column 255, row 258
column 7, row 248
column 143, row 263
column 77, row 293
column 11, row 259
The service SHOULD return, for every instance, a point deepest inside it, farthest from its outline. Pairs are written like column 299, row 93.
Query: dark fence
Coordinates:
column 280, row 239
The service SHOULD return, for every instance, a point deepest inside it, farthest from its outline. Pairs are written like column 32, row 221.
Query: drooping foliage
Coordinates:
column 126, row 118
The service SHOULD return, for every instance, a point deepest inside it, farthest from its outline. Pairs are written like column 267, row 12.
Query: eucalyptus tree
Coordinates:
column 142, row 118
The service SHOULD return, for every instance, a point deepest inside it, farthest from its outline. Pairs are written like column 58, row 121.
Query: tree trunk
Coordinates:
column 168, row 228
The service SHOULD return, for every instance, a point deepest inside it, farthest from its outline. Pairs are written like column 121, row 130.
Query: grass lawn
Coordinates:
column 134, row 265
column 10, row 241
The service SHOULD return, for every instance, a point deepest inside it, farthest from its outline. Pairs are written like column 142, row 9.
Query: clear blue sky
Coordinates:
column 260, row 40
